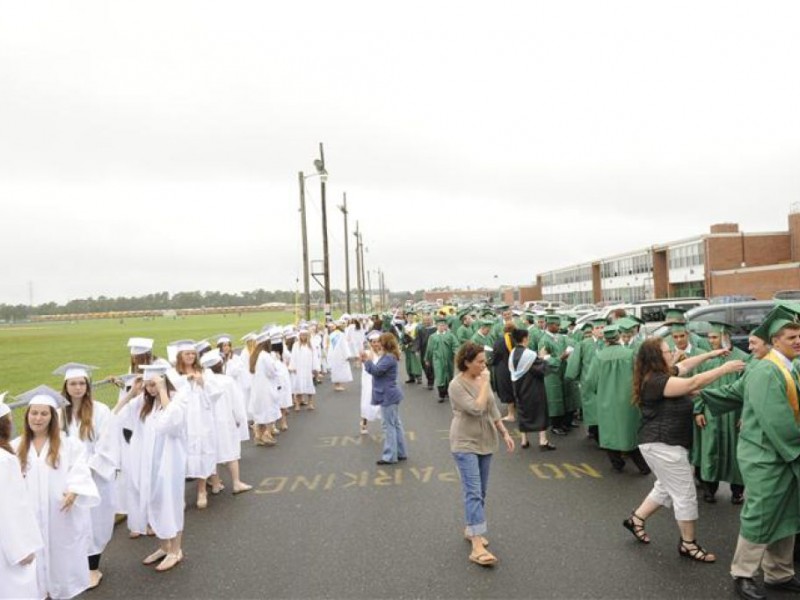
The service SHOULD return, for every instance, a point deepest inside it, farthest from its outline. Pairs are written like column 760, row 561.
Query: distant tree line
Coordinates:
column 167, row 301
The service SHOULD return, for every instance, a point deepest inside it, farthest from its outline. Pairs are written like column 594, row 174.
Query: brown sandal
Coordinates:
column 484, row 559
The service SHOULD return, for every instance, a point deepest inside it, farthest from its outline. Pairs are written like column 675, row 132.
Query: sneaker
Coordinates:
column 557, row 431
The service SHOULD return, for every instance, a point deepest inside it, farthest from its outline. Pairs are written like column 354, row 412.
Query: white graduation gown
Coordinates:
column 19, row 533
column 244, row 379
column 157, row 465
column 303, row 362
column 201, row 428
column 237, row 369
column 62, row 568
column 102, row 515
column 284, row 382
column 338, row 358
column 263, row 403
column 229, row 414
column 369, row 411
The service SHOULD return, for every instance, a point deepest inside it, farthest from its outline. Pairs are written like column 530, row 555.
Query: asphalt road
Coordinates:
column 326, row 522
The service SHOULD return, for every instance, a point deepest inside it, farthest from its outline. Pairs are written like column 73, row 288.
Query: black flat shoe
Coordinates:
column 402, row 458
column 557, row 431
column 546, row 447
column 737, row 499
column 709, row 498
column 748, row 589
column 525, row 445
column 790, row 585
column 385, row 462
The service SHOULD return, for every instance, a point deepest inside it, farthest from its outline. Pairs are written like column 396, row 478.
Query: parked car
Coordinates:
column 743, row 317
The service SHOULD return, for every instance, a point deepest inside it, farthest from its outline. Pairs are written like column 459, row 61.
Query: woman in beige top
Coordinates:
column 473, row 440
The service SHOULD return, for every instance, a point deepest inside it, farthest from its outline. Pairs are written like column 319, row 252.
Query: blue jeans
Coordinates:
column 474, row 472
column 394, row 438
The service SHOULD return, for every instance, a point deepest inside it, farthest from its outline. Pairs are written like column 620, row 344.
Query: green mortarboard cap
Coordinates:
column 441, row 319
column 776, row 319
column 677, row 328
column 501, row 307
column 586, row 326
column 719, row 327
column 598, row 322
column 410, row 313
column 610, row 332
column 486, row 322
column 552, row 319
column 626, row 324
column 674, row 314
column 570, row 318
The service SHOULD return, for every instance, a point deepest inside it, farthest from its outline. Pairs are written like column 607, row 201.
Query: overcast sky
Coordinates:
column 149, row 146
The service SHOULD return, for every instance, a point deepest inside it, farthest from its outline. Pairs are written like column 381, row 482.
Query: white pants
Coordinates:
column 674, row 479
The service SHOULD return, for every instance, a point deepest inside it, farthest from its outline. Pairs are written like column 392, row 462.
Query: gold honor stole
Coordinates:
column 791, row 386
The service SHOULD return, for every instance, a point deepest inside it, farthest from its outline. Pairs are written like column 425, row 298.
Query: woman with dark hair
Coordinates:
column 502, row 376
column 473, row 440
column 60, row 487
column 527, row 378
column 21, row 538
column 85, row 420
column 157, row 415
column 662, row 391
column 387, row 395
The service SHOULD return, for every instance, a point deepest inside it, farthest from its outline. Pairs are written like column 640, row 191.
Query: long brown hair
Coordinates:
column 5, row 434
column 264, row 346
column 389, row 344
column 149, row 400
column 53, row 434
column 137, row 360
column 649, row 360
column 179, row 363
column 85, row 414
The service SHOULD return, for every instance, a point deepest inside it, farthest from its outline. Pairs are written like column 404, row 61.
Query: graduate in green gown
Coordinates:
column 769, row 459
column 498, row 329
column 675, row 316
column 578, row 365
column 410, row 347
column 553, row 345
column 629, row 335
column 440, row 354
column 610, row 380
column 482, row 336
column 464, row 332
column 716, row 437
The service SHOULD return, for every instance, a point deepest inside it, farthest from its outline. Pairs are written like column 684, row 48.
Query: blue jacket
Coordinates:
column 384, row 381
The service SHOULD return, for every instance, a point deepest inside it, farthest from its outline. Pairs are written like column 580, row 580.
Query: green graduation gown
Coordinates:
column 769, row 447
column 554, row 345
column 440, row 353
column 578, row 365
column 464, row 334
column 714, row 448
column 610, row 380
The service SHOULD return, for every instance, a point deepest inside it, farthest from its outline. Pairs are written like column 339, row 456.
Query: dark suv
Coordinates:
column 743, row 317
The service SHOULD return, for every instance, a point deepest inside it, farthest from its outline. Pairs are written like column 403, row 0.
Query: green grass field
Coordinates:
column 30, row 352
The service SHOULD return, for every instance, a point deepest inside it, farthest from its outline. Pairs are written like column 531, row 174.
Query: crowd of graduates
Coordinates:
column 741, row 410
column 77, row 463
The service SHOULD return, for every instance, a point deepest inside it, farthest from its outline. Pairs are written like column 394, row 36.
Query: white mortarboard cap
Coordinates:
column 140, row 345
column 184, row 346
column 373, row 335
column 4, row 408
column 74, row 370
column 127, row 379
column 210, row 358
column 275, row 335
column 202, row 345
column 153, row 372
column 262, row 337
column 223, row 338
column 249, row 336
column 44, row 395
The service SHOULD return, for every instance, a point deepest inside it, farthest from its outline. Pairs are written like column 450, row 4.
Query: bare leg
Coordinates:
column 238, row 485
column 216, row 483
column 284, row 426
column 202, row 498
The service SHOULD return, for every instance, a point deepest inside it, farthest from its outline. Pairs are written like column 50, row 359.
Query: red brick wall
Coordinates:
column 660, row 274
column 597, row 284
column 794, row 236
column 761, row 284
column 530, row 293
column 724, row 253
column 725, row 228
column 762, row 250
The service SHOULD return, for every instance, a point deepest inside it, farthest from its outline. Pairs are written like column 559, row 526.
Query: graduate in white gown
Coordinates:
column 246, row 377
column 369, row 411
column 235, row 367
column 319, row 343
column 304, row 367
column 284, row 388
column 20, row 537
column 229, row 413
column 263, row 404
column 85, row 420
column 339, row 356
column 201, row 426
column 156, row 413
column 60, row 487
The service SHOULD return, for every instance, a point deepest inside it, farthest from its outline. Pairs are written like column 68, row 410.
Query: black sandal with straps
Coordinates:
column 637, row 529
column 697, row 553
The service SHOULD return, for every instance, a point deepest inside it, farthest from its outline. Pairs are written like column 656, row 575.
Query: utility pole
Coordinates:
column 369, row 285
column 325, row 258
column 359, row 282
column 306, row 291
column 343, row 208
column 384, row 295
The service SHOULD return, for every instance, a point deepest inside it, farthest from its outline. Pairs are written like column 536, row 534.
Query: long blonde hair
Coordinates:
column 53, row 435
